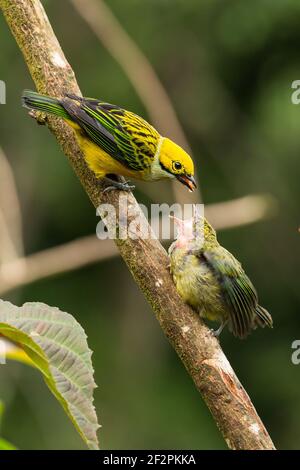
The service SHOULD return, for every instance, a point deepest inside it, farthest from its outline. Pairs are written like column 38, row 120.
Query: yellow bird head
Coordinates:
column 177, row 163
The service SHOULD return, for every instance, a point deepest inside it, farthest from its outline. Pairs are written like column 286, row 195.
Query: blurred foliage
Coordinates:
column 228, row 67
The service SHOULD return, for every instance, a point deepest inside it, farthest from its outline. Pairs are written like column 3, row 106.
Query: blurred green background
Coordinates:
column 228, row 68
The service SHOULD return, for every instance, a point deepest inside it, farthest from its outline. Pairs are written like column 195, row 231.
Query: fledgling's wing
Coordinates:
column 122, row 134
column 238, row 291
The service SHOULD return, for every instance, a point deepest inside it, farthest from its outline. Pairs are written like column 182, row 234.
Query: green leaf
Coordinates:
column 15, row 353
column 5, row 445
column 56, row 343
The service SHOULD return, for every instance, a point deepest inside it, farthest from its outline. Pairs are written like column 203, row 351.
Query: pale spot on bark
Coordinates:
column 58, row 60
column 185, row 329
column 228, row 443
column 220, row 361
column 159, row 283
column 254, row 428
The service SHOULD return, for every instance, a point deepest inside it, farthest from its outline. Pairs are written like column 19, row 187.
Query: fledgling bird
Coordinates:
column 116, row 141
column 212, row 281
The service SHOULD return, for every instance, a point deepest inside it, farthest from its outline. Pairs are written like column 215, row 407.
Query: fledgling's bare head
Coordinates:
column 196, row 228
column 184, row 231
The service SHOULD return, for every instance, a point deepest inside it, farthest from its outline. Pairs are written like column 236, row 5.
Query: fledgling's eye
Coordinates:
column 177, row 166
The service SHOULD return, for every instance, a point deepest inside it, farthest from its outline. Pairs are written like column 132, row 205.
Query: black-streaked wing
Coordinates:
column 110, row 127
column 95, row 130
column 238, row 292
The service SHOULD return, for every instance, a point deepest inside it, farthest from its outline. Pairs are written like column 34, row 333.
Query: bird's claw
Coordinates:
column 215, row 333
column 120, row 186
column 39, row 117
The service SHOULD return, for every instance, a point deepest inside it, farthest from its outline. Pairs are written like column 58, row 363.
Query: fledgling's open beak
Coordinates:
column 187, row 180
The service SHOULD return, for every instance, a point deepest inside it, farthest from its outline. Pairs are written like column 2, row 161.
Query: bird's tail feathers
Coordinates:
column 263, row 318
column 33, row 100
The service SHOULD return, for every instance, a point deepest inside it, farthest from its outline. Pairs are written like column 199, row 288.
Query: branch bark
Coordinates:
column 146, row 259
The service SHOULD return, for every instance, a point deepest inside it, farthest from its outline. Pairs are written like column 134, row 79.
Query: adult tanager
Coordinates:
column 116, row 141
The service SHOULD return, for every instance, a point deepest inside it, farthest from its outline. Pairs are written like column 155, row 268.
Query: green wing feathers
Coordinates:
column 263, row 317
column 238, row 292
column 122, row 134
column 135, row 140
column 85, row 112
column 33, row 100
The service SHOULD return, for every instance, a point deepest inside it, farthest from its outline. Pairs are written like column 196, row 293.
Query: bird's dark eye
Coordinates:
column 177, row 166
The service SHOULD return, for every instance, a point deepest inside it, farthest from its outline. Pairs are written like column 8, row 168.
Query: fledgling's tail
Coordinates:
column 33, row 100
column 263, row 318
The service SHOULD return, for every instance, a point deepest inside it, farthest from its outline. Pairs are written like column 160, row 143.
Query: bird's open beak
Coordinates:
column 187, row 180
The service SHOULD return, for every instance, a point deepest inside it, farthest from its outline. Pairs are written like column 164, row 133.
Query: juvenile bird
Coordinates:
column 212, row 281
column 116, row 141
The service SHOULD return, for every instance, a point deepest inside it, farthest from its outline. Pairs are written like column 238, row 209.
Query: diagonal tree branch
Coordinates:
column 20, row 271
column 136, row 66
column 147, row 260
column 54, row 261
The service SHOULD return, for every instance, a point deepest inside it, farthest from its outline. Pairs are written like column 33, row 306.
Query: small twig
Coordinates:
column 10, row 213
column 53, row 261
column 242, row 211
column 7, row 248
column 89, row 250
